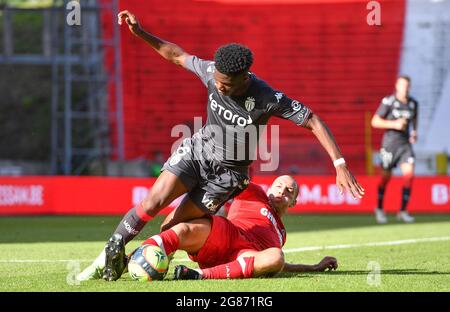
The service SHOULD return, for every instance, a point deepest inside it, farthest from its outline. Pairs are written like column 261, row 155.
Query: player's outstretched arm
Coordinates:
column 344, row 178
column 327, row 263
column 167, row 50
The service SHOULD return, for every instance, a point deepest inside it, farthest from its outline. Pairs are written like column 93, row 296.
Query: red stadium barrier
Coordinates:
column 111, row 196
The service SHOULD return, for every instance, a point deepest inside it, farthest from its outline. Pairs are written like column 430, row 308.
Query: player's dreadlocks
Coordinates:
column 233, row 58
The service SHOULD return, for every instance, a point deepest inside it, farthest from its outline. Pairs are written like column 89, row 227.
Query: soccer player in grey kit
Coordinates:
column 205, row 166
column 397, row 114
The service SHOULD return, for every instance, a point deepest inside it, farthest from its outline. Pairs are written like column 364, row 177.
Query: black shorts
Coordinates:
column 209, row 184
column 393, row 154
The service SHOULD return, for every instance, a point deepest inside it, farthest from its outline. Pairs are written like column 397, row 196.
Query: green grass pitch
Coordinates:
column 45, row 253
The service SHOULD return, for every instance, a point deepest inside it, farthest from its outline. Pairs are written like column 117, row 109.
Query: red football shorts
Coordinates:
column 224, row 244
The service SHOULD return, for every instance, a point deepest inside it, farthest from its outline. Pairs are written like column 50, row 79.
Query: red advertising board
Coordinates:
column 102, row 195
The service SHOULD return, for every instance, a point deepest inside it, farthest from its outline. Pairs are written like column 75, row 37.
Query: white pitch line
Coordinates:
column 42, row 260
column 373, row 244
column 291, row 250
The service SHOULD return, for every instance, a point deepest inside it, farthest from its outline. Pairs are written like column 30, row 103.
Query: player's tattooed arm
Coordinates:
column 167, row 50
column 327, row 263
column 344, row 178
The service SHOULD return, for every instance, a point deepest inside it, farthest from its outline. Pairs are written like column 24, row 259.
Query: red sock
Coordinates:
column 241, row 268
column 150, row 241
column 142, row 214
column 167, row 240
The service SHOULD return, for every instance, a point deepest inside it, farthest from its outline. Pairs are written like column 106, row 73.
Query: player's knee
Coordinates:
column 182, row 229
column 153, row 203
column 278, row 260
column 407, row 180
column 274, row 260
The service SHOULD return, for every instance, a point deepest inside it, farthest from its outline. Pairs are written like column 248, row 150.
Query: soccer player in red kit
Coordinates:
column 246, row 244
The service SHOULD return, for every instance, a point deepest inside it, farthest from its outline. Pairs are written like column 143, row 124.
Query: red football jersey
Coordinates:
column 252, row 213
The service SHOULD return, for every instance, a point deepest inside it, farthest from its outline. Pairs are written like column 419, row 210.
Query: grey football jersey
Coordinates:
column 234, row 124
column 392, row 109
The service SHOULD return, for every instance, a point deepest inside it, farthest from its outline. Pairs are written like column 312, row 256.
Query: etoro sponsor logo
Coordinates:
column 32, row 195
column 228, row 115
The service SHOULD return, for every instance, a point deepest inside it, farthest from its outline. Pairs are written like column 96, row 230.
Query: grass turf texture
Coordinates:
column 420, row 266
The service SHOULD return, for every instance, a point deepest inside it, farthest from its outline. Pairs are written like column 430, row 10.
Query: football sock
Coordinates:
column 406, row 193
column 167, row 240
column 240, row 268
column 100, row 260
column 132, row 223
column 407, row 180
column 380, row 197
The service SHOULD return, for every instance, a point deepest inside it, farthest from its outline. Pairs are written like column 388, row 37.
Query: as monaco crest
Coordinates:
column 250, row 103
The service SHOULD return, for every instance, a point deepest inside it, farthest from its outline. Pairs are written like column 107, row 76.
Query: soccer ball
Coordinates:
column 148, row 263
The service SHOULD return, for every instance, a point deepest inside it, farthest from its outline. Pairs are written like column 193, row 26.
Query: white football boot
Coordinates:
column 380, row 216
column 405, row 217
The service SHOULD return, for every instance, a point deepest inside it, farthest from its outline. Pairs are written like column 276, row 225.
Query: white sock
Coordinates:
column 159, row 241
column 100, row 260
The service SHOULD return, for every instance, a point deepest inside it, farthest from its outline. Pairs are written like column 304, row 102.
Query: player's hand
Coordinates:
column 327, row 264
column 346, row 181
column 400, row 124
column 413, row 137
column 131, row 21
